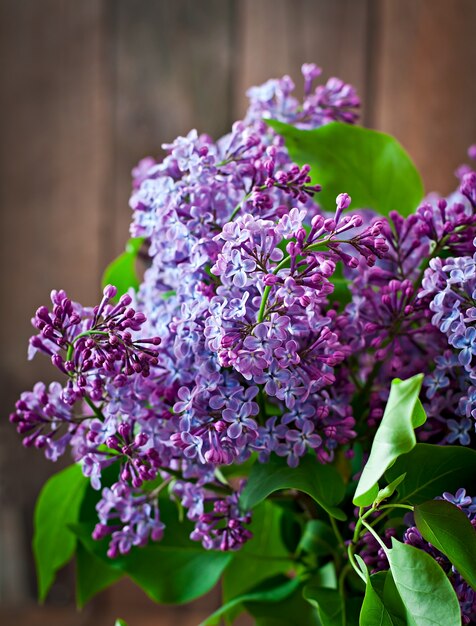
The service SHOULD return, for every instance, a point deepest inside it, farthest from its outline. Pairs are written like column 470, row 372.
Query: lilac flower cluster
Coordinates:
column 400, row 311
column 256, row 354
column 450, row 285
column 100, row 353
column 129, row 516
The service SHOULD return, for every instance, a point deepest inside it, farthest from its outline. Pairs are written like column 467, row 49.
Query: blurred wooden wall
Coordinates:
column 88, row 88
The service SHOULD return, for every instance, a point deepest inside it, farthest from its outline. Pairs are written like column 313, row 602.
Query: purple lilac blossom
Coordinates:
column 256, row 356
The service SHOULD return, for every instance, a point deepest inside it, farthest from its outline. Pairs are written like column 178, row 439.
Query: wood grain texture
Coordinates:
column 173, row 72
column 425, row 88
column 276, row 37
column 54, row 159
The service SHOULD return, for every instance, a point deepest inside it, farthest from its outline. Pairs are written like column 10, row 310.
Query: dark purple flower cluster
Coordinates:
column 100, row 353
column 406, row 303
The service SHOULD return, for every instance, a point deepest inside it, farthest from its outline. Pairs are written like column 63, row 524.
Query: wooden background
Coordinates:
column 87, row 88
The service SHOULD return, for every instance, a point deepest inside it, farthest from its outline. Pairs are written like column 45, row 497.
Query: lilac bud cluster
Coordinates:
column 400, row 313
column 99, row 351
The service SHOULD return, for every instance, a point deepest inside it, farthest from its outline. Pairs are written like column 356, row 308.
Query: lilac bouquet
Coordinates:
column 285, row 401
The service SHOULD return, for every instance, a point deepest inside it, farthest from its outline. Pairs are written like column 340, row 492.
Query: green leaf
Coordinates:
column 272, row 589
column 394, row 603
column 57, row 507
column 431, row 470
column 290, row 530
column 166, row 570
column 423, row 586
column 374, row 611
column 394, row 436
column 448, row 529
column 328, row 602
column 264, row 555
column 371, row 167
column 120, row 622
column 293, row 611
column 318, row 538
column 92, row 575
column 388, row 491
column 122, row 271
column 322, row 482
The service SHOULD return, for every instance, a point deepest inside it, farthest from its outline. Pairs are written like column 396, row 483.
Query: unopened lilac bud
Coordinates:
column 343, row 201
column 270, row 280
column 112, row 442
column 317, row 221
column 110, row 291
column 125, row 300
column 329, row 224
column 290, row 248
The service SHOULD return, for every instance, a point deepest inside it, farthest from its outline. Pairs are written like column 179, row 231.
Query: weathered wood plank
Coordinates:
column 425, row 83
column 54, row 159
column 173, row 73
column 277, row 36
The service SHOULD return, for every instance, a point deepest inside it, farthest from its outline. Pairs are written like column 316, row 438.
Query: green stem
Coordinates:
column 354, row 563
column 396, row 506
column 153, row 494
column 375, row 535
column 178, row 474
column 337, row 532
column 389, row 508
column 342, row 576
column 238, row 206
column 87, row 333
column 97, row 412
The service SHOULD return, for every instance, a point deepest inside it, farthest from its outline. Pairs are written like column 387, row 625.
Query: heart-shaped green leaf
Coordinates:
column 166, row 570
column 395, row 435
column 329, row 604
column 423, row 586
column 292, row 611
column 371, row 167
column 321, row 482
column 92, row 575
column 264, row 555
column 318, row 538
column 431, row 470
column 375, row 610
column 448, row 529
column 57, row 506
